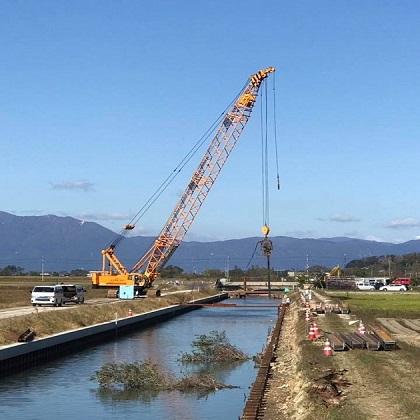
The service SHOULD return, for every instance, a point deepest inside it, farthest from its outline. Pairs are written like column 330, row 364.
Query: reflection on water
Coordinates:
column 63, row 387
column 111, row 395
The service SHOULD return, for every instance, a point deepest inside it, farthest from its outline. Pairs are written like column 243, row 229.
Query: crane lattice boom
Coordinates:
column 202, row 180
column 197, row 189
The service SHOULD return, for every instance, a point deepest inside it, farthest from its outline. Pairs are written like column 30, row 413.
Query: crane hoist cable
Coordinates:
column 264, row 159
column 170, row 178
column 264, row 128
column 252, row 256
column 265, row 153
column 275, row 131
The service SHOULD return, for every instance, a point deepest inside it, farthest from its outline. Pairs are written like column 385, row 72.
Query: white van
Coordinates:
column 47, row 295
column 73, row 293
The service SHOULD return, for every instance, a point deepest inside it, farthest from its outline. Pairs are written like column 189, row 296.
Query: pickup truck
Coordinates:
column 73, row 293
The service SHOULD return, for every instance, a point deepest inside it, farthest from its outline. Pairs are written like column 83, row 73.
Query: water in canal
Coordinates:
column 63, row 389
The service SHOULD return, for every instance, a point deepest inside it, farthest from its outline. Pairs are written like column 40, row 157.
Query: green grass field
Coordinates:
column 381, row 305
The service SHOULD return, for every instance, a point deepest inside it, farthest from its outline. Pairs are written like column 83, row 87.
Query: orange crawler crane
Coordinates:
column 145, row 271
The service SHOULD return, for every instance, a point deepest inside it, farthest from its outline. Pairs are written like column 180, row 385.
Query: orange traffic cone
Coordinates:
column 311, row 334
column 327, row 348
column 130, row 313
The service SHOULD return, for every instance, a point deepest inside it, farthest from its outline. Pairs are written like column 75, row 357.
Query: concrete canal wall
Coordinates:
column 21, row 356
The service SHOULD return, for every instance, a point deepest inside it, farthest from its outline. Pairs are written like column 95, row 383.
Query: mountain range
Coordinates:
column 60, row 244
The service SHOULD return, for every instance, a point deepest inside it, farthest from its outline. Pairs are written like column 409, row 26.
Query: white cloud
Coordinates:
column 28, row 212
column 73, row 185
column 104, row 216
column 343, row 218
column 406, row 223
column 115, row 222
column 374, row 238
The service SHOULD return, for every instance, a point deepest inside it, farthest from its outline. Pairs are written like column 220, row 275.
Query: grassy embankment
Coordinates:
column 382, row 383
column 45, row 323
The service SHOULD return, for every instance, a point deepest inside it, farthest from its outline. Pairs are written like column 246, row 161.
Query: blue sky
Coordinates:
column 100, row 100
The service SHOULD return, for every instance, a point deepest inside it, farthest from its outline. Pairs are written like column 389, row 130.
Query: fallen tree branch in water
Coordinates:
column 148, row 376
column 211, row 348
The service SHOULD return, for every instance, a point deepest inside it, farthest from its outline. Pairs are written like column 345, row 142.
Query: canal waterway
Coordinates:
column 62, row 389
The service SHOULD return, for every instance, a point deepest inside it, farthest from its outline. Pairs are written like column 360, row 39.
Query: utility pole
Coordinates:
column 227, row 269
column 307, row 268
column 42, row 269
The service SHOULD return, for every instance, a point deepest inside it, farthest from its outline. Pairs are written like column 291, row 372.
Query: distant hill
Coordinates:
column 65, row 243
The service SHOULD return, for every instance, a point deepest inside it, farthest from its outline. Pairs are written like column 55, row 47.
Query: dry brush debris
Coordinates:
column 149, row 376
column 330, row 387
column 212, row 348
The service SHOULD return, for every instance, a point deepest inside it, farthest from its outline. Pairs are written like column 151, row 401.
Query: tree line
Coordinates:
column 389, row 266
column 13, row 270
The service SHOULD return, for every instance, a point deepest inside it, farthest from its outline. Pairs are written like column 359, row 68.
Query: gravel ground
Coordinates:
column 286, row 395
column 382, row 384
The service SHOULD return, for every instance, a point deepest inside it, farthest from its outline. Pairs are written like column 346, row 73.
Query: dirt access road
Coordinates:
column 380, row 385
column 27, row 310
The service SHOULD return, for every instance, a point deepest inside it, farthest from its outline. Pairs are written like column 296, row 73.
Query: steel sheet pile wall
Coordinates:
column 255, row 403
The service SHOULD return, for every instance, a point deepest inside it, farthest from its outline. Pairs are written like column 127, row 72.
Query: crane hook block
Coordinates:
column 265, row 230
